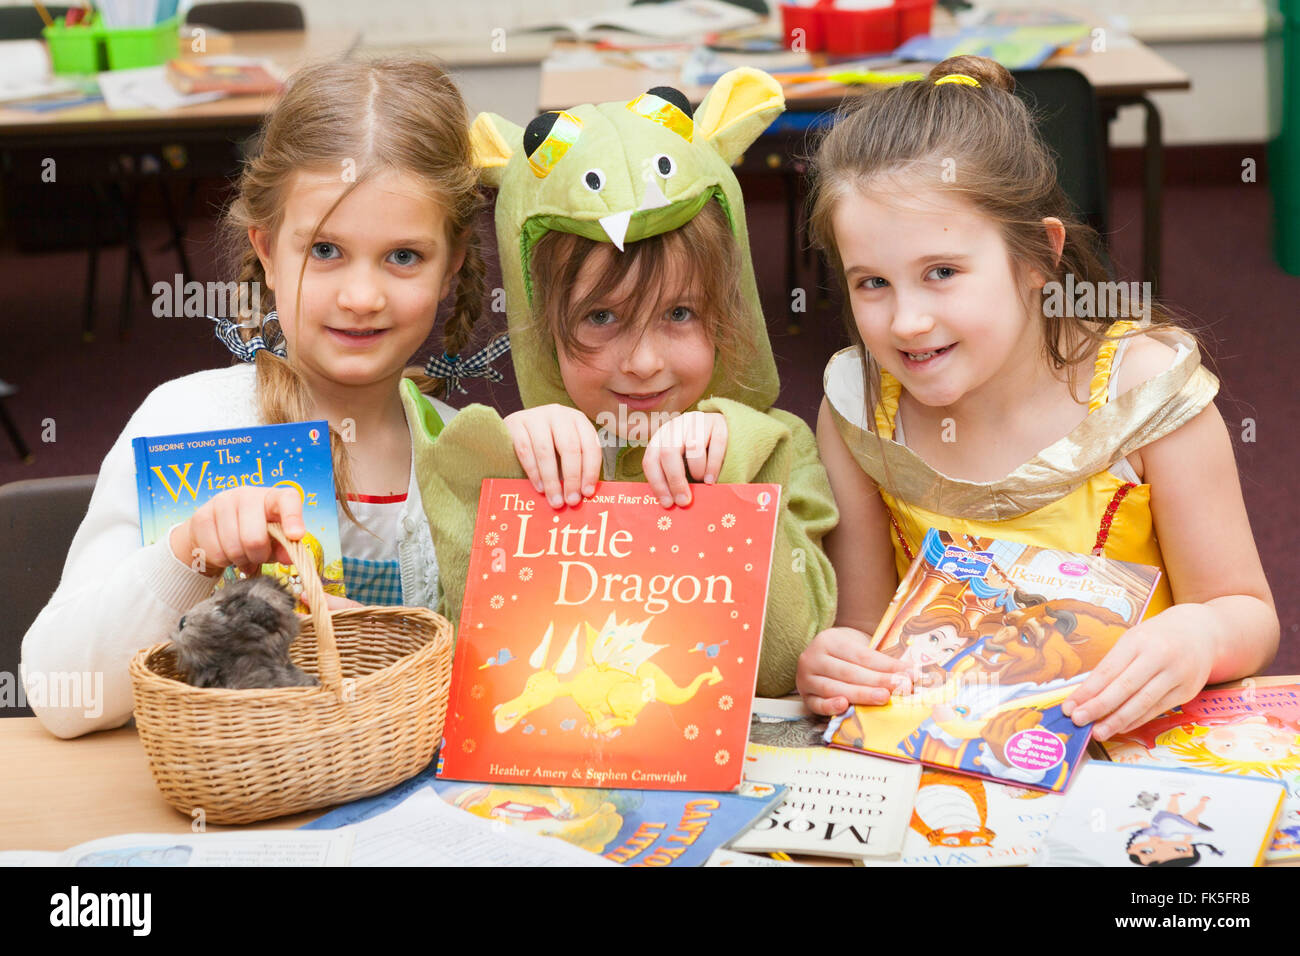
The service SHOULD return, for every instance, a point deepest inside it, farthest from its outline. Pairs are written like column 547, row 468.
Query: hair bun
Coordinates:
column 990, row 74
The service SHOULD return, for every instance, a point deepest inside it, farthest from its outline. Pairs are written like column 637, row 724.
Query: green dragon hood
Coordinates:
column 619, row 172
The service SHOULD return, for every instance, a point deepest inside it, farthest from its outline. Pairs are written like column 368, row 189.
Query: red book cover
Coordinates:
column 613, row 644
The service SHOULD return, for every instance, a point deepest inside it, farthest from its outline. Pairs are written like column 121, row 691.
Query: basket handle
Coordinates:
column 327, row 651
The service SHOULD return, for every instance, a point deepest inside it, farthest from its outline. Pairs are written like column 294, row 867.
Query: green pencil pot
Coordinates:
column 131, row 47
column 77, row 49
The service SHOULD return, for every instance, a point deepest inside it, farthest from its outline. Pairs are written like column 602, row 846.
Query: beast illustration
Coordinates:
column 616, row 684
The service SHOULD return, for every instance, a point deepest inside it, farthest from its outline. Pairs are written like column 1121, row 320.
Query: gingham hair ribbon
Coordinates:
column 269, row 337
column 452, row 368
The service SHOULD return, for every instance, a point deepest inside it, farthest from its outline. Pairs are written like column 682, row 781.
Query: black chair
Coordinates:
column 38, row 519
column 244, row 16
column 1071, row 123
column 25, row 23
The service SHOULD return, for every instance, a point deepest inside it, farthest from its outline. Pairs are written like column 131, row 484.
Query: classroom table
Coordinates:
column 116, row 153
column 55, row 794
column 1122, row 76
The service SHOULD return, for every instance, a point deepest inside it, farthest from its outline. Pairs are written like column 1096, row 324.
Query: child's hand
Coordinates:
column 839, row 668
column 229, row 530
column 1160, row 663
column 697, row 438
column 559, row 451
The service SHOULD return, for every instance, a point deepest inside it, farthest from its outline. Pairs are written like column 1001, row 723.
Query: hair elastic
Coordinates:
column 961, row 78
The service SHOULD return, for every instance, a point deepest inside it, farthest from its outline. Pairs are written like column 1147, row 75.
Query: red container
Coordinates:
column 913, row 18
column 853, row 32
column 807, row 19
column 861, row 31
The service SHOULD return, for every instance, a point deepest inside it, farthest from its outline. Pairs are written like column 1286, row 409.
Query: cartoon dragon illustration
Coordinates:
column 616, row 684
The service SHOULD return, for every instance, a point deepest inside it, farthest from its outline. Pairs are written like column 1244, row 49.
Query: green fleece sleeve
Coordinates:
column 775, row 446
column 450, row 470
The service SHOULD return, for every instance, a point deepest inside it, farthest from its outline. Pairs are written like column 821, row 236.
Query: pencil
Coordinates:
column 45, row 14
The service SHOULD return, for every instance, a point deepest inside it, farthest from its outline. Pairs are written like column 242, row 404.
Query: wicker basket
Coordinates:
column 246, row 755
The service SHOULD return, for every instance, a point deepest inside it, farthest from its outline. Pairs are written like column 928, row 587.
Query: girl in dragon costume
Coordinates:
column 637, row 336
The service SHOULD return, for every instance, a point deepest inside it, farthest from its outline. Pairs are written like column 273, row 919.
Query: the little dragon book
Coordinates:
column 1251, row 729
column 177, row 474
column 612, row 644
column 997, row 634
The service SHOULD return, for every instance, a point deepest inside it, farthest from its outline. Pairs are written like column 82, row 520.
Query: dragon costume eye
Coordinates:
column 664, row 163
column 594, row 180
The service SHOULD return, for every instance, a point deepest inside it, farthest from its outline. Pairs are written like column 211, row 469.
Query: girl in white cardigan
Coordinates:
column 358, row 214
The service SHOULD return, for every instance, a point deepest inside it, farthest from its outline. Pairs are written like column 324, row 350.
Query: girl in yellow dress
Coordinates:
column 999, row 385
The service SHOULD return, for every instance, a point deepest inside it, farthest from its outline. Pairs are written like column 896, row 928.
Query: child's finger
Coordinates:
column 203, row 536
column 855, row 674
column 547, row 466
column 826, row 687
column 568, row 446
column 254, row 539
column 695, row 446
column 1103, row 676
column 717, row 450
column 226, row 520
column 654, row 474
column 1129, row 683
column 1151, row 700
column 593, row 457
column 285, row 505
column 527, row 459
column 674, row 468
column 826, row 706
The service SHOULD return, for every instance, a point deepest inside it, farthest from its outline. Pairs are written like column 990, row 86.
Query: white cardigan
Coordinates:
column 116, row 597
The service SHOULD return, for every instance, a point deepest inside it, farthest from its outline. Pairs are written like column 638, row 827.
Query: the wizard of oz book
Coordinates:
column 177, row 474
column 996, row 635
column 612, row 644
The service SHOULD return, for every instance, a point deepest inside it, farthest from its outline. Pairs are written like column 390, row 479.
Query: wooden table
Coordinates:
column 287, row 49
column 55, row 794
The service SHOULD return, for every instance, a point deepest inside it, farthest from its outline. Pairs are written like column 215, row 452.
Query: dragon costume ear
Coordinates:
column 740, row 106
column 493, row 140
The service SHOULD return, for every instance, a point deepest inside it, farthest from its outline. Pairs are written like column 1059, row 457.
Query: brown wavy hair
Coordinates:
column 395, row 113
column 1003, row 168
column 705, row 245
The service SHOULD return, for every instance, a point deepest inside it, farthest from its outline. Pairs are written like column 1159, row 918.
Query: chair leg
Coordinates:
column 176, row 227
column 11, row 429
column 92, row 268
column 1153, row 173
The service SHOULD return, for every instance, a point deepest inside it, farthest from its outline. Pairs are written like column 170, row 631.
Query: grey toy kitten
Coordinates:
column 240, row 637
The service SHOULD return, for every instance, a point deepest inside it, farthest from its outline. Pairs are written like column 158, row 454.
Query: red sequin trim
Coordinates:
column 907, row 552
column 1104, row 532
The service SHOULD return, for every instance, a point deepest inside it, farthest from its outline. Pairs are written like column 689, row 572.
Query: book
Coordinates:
column 611, row 644
column 997, row 634
column 670, row 20
column 231, row 75
column 1251, row 728
column 630, row 827
column 959, row 821
column 177, row 474
column 839, row 804
column 1126, row 814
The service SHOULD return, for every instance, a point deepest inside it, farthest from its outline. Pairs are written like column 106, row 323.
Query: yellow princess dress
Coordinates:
column 1078, row 494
